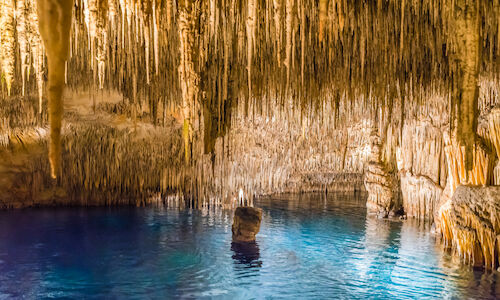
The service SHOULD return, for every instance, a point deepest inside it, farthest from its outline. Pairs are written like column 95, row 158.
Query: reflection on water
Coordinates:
column 246, row 258
column 309, row 246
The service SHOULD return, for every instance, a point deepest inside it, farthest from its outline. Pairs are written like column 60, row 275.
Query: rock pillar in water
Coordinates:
column 246, row 223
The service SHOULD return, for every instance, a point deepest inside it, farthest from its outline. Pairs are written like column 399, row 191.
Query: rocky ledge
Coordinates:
column 470, row 224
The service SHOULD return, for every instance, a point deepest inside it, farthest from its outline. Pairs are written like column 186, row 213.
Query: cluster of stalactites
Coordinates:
column 312, row 51
column 7, row 41
column 292, row 47
column 19, row 23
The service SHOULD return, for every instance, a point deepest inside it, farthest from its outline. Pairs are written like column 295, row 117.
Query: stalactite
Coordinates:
column 21, row 16
column 188, row 76
column 302, row 8
column 147, row 43
column 55, row 25
column 102, row 40
column 465, row 98
column 277, row 28
column 112, row 12
column 155, row 38
column 494, row 129
column 36, row 49
column 289, row 34
column 123, row 15
column 323, row 9
column 402, row 30
column 7, row 42
column 168, row 8
column 251, row 25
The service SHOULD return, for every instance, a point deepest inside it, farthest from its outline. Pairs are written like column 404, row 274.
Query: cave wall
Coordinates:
column 109, row 158
column 267, row 96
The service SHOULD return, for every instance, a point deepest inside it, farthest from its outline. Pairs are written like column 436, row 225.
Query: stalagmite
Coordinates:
column 55, row 25
column 379, row 183
column 7, row 41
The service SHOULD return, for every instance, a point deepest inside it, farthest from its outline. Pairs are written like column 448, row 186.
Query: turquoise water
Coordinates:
column 309, row 247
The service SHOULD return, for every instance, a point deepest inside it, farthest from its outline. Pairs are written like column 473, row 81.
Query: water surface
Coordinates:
column 310, row 246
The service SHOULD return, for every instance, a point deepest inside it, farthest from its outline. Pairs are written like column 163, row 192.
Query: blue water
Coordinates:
column 309, row 247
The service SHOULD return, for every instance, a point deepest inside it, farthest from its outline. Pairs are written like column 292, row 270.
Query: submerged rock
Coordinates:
column 246, row 223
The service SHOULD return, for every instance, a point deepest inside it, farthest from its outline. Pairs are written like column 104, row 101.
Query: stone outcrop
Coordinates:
column 470, row 224
column 246, row 223
column 381, row 185
column 466, row 216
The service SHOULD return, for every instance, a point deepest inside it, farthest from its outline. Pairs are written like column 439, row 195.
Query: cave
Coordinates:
column 363, row 136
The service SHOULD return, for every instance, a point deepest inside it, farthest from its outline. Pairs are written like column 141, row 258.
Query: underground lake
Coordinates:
column 249, row 149
column 310, row 246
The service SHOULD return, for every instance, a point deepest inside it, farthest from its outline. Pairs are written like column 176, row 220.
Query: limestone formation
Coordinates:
column 7, row 42
column 381, row 185
column 471, row 225
column 421, row 166
column 55, row 25
column 246, row 223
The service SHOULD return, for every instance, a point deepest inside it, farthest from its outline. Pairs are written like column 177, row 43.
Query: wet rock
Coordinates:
column 246, row 223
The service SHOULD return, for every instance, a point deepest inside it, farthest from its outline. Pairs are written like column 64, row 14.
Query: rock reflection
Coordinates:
column 246, row 258
column 375, row 251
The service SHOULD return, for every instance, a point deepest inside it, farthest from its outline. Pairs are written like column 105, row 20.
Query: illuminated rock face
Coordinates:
column 422, row 168
column 7, row 42
column 246, row 224
column 381, row 185
column 471, row 225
